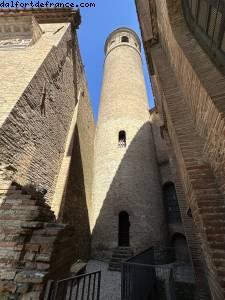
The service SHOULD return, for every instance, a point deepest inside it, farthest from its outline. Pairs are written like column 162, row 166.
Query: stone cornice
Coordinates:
column 50, row 15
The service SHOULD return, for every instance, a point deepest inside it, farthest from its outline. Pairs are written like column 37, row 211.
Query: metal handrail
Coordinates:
column 153, row 251
column 79, row 276
column 84, row 290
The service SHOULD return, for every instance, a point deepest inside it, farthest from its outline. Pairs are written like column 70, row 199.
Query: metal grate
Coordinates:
column 214, row 23
column 152, row 274
column 203, row 14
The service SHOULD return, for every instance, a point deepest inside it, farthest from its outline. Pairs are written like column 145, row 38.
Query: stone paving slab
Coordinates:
column 110, row 282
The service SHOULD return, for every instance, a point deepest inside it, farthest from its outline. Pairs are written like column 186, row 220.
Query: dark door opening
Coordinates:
column 124, row 229
column 179, row 243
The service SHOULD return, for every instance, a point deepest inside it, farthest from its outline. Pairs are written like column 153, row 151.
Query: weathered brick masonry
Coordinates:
column 189, row 93
column 44, row 108
column 38, row 93
column 30, row 242
column 126, row 177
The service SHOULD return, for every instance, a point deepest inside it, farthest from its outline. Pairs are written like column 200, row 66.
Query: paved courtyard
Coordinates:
column 110, row 283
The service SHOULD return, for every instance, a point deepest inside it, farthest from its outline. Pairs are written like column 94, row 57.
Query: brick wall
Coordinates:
column 193, row 169
column 36, row 119
column 76, row 208
column 202, row 84
column 33, row 134
column 189, row 91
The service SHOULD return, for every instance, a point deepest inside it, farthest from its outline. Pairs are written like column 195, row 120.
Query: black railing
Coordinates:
column 154, row 256
column 83, row 287
column 149, row 276
column 147, row 282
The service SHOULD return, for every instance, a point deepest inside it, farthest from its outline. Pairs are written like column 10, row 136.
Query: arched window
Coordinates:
column 122, row 139
column 125, row 39
column 171, row 203
column 206, row 20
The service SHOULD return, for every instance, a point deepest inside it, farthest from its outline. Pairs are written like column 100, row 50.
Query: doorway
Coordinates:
column 124, row 229
column 181, row 249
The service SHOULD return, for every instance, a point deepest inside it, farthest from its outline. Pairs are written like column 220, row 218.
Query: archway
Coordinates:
column 181, row 249
column 124, row 229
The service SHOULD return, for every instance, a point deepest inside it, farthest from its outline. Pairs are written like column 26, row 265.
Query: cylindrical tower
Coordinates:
column 127, row 201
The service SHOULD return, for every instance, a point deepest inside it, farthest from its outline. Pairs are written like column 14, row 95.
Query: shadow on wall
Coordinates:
column 135, row 190
column 73, row 210
column 41, row 248
column 179, row 243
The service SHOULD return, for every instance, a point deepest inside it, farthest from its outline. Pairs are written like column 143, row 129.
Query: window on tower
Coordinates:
column 125, row 39
column 122, row 139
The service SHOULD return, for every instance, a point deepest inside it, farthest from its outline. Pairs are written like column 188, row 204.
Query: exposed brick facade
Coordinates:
column 32, row 137
column 189, row 92
column 46, row 140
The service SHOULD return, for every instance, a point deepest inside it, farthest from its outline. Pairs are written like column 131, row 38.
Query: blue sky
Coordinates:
column 95, row 26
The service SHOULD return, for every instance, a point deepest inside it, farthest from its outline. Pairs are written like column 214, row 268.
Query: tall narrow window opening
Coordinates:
column 124, row 229
column 122, row 139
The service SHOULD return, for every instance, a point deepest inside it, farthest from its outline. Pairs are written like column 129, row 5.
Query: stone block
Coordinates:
column 7, row 274
column 22, row 288
column 29, row 256
column 32, row 225
column 7, row 286
column 32, row 247
column 43, row 257
column 31, row 295
column 30, row 277
column 43, row 266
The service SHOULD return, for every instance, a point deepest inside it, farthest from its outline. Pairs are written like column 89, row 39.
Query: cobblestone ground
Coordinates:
column 110, row 282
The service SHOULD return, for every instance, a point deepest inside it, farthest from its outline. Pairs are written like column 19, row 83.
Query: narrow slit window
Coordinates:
column 223, row 43
column 125, row 39
column 122, row 139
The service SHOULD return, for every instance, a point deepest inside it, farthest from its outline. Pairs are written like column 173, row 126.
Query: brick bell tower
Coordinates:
column 127, row 200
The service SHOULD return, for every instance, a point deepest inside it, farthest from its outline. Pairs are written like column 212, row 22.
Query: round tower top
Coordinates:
column 122, row 36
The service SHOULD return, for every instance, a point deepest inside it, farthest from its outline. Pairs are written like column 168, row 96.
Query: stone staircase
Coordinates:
column 119, row 255
column 30, row 240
